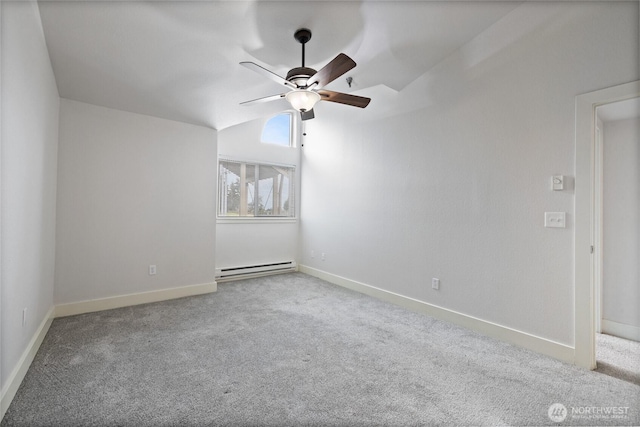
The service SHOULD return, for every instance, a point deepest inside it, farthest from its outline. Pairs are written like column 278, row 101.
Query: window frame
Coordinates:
column 292, row 130
column 222, row 219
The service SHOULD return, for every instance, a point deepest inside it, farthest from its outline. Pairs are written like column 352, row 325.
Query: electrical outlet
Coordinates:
column 313, row 254
column 152, row 270
column 323, row 256
column 24, row 317
column 555, row 219
column 435, row 283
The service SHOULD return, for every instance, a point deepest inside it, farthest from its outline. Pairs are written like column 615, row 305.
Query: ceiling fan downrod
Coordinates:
column 303, row 35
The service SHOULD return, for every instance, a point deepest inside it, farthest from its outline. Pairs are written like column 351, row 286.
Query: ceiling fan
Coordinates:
column 305, row 84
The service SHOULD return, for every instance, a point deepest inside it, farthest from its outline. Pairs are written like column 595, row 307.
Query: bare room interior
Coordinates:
column 319, row 212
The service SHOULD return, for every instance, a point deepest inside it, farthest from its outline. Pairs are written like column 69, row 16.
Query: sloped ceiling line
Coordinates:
column 179, row 60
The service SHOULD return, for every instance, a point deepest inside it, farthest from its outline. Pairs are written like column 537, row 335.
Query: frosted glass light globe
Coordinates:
column 302, row 100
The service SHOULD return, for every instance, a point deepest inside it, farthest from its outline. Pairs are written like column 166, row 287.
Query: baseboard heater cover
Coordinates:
column 255, row 270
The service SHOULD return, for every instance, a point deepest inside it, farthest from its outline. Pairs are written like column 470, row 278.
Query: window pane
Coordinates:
column 238, row 194
column 278, row 130
column 275, row 189
column 237, row 189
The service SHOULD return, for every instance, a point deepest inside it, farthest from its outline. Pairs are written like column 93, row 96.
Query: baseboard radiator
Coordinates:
column 235, row 273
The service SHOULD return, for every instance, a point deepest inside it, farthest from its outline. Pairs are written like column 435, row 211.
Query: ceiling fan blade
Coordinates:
column 344, row 98
column 262, row 100
column 268, row 74
column 334, row 69
column 307, row 115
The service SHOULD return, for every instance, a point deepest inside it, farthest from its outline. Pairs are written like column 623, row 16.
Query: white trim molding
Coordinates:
column 62, row 310
column 109, row 303
column 585, row 216
column 21, row 368
column 621, row 330
column 503, row 333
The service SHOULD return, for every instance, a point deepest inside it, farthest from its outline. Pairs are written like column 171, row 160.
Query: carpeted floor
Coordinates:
column 618, row 358
column 294, row 350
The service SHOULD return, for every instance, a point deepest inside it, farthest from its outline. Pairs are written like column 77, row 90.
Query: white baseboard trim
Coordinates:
column 621, row 330
column 19, row 372
column 503, row 333
column 109, row 303
column 17, row 375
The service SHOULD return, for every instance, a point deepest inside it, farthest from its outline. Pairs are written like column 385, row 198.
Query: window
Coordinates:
column 277, row 130
column 255, row 190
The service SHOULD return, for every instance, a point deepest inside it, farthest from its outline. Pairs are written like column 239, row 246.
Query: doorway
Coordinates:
column 617, row 239
column 586, row 217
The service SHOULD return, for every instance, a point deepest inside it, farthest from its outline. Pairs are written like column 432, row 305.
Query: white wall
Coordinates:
column 133, row 190
column 30, row 106
column 242, row 242
column 456, row 186
column 621, row 283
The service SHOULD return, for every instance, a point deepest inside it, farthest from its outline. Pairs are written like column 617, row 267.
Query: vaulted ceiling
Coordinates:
column 180, row 60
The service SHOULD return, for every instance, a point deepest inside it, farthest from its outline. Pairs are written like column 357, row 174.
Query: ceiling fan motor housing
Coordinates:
column 300, row 75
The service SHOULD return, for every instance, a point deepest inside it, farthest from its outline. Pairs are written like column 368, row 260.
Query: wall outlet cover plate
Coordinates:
column 555, row 219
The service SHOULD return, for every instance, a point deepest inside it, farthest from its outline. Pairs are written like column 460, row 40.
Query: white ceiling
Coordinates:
column 179, row 60
column 620, row 110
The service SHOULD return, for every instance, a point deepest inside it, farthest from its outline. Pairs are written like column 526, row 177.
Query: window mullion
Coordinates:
column 243, row 189
column 256, row 196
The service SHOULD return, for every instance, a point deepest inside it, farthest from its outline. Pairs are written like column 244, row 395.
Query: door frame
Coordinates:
column 598, row 223
column 586, row 217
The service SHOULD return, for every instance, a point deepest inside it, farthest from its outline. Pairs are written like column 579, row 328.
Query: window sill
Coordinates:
column 253, row 220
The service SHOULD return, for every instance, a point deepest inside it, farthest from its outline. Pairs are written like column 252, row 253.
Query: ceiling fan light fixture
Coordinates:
column 306, row 84
column 302, row 99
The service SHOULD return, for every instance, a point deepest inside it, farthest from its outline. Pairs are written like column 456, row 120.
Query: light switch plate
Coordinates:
column 555, row 219
column 557, row 182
